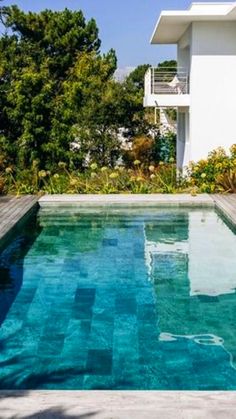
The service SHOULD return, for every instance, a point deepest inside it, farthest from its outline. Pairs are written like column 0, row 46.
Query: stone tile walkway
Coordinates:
column 118, row 405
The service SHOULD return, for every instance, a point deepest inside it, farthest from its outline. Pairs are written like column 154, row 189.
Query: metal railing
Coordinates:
column 166, row 81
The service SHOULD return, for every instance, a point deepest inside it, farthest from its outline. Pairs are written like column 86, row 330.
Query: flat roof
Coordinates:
column 172, row 24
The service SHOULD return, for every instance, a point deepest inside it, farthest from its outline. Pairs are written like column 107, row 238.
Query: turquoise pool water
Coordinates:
column 119, row 299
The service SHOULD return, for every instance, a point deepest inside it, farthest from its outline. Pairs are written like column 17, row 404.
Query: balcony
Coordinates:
column 166, row 87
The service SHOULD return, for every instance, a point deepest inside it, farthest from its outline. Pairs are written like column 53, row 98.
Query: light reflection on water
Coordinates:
column 119, row 299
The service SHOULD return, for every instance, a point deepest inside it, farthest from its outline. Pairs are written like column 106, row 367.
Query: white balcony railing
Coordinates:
column 166, row 81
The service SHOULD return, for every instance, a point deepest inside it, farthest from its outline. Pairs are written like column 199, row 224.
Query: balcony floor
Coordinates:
column 167, row 101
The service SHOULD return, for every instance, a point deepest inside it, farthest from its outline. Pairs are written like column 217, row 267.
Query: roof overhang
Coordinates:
column 171, row 25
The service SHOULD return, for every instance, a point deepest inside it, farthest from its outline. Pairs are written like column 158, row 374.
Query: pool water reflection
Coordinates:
column 119, row 299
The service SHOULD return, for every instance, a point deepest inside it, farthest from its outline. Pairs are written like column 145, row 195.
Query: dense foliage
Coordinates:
column 138, row 179
column 66, row 124
column 58, row 96
column 217, row 173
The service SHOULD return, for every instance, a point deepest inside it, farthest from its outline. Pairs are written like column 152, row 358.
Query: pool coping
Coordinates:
column 17, row 208
column 127, row 199
column 225, row 204
column 118, row 404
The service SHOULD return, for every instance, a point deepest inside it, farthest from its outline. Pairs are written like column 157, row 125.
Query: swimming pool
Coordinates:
column 129, row 299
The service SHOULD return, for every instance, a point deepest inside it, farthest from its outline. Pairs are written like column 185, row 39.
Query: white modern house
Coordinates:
column 203, row 89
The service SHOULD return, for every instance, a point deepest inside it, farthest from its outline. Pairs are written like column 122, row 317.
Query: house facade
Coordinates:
column 203, row 87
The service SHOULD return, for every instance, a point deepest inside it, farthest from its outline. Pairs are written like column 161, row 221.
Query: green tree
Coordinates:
column 136, row 77
column 37, row 58
column 89, row 106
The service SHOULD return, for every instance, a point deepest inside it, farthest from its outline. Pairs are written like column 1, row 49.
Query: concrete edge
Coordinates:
column 31, row 401
column 153, row 200
column 129, row 199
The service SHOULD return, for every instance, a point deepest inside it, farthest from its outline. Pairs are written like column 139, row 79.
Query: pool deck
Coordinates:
column 226, row 204
column 12, row 210
column 118, row 404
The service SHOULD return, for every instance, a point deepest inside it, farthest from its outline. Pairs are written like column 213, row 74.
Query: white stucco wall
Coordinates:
column 212, row 87
column 184, row 50
column 183, row 138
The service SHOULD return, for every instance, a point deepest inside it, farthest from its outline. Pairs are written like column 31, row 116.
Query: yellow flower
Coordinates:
column 137, row 162
column 73, row 182
column 151, row 168
column 42, row 174
column 113, row 175
column 172, row 160
column 94, row 166
column 35, row 163
column 56, row 176
column 161, row 163
column 93, row 175
column 203, row 175
column 104, row 169
column 61, row 165
column 139, row 179
column 8, row 170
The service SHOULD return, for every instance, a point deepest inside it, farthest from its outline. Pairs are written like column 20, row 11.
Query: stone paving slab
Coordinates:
column 118, row 404
column 127, row 199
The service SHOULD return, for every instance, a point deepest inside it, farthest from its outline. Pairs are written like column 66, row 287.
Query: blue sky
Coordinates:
column 125, row 25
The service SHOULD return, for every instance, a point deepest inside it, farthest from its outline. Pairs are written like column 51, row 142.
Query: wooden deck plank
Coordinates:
column 12, row 210
column 226, row 204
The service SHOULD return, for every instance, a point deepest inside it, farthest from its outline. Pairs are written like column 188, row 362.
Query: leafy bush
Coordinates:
column 217, row 173
column 228, row 181
column 2, row 185
column 164, row 147
column 142, row 149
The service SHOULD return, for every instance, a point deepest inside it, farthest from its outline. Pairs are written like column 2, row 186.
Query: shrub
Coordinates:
column 142, row 150
column 164, row 147
column 154, row 179
column 216, row 173
column 2, row 185
column 228, row 180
